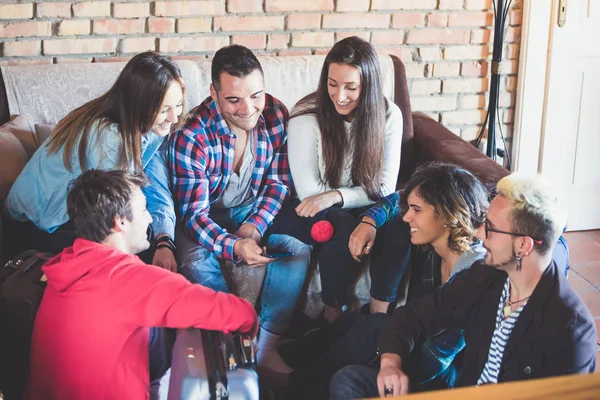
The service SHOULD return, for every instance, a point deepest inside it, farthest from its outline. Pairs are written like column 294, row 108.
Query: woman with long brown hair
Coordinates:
column 344, row 151
column 123, row 129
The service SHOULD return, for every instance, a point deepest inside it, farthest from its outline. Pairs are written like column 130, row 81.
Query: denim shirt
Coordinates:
column 40, row 192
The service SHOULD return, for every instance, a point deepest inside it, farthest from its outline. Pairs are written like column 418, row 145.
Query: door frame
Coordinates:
column 539, row 20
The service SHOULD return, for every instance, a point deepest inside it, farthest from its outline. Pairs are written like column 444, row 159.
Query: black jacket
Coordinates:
column 554, row 335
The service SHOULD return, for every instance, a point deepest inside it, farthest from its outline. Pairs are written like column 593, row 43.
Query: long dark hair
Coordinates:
column 457, row 196
column 367, row 127
column 133, row 103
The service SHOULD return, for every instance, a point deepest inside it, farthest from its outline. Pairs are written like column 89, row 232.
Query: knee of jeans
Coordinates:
column 286, row 243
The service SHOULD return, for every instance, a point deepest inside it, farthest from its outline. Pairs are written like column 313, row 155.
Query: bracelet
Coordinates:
column 163, row 245
column 164, row 241
column 368, row 223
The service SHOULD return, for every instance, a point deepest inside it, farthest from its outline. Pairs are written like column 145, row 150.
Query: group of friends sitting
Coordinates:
column 239, row 178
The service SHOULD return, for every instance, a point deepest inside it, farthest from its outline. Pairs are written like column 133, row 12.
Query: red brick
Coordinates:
column 508, row 116
column 471, row 19
column 437, row 19
column 404, row 53
column 52, row 10
column 296, row 5
column 194, row 25
column 244, row 6
column 466, row 52
column 463, row 117
column 72, row 27
column 430, row 53
column 512, row 34
column 23, row 29
column 254, row 42
column 450, row 5
column 437, row 36
column 387, row 38
column 474, row 68
column 16, row 11
column 446, row 69
column 433, row 103
column 250, row 23
column 111, row 59
column 352, row 5
column 161, row 25
column 471, row 133
column 353, row 21
column 278, row 42
column 414, row 70
column 188, row 8
column 137, row 45
column 79, row 46
column 408, row 20
column 482, row 36
column 471, row 85
column 516, row 17
column 343, row 35
column 478, row 4
column 118, row 26
column 131, row 10
column 197, row 44
column 403, row 4
column 92, row 9
column 510, row 67
column 21, row 48
column 510, row 84
column 429, row 86
column 312, row 39
column 304, row 21
column 473, row 102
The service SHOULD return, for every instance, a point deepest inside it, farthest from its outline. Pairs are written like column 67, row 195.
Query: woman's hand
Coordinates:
column 311, row 205
column 362, row 239
column 165, row 258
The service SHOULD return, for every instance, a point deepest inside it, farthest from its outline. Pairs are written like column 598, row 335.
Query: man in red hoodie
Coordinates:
column 91, row 334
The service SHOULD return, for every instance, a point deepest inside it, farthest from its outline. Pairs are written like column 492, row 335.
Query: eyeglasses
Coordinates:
column 488, row 229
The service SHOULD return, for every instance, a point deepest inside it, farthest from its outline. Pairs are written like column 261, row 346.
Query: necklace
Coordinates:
column 508, row 307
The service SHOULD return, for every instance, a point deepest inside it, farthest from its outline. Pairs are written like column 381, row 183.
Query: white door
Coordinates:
column 569, row 146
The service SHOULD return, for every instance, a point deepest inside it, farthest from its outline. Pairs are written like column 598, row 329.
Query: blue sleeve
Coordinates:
column 158, row 193
column 384, row 210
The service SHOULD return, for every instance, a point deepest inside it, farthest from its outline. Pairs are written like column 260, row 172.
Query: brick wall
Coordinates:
column 446, row 44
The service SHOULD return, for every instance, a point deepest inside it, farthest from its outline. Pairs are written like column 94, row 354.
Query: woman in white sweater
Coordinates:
column 344, row 151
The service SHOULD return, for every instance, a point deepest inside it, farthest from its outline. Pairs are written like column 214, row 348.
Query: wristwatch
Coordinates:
column 164, row 241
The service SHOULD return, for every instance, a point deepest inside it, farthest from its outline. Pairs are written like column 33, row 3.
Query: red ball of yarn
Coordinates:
column 322, row 231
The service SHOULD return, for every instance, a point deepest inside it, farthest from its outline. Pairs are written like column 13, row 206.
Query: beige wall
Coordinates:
column 444, row 43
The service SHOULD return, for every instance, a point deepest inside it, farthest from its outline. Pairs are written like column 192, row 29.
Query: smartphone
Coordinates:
column 278, row 255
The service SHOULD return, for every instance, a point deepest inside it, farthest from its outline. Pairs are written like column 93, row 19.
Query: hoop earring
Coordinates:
column 518, row 263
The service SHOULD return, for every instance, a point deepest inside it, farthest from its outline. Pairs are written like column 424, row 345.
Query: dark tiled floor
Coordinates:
column 584, row 250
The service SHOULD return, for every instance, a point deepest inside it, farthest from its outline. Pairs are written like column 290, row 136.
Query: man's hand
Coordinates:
column 311, row 205
column 362, row 239
column 391, row 380
column 165, row 258
column 248, row 231
column 250, row 252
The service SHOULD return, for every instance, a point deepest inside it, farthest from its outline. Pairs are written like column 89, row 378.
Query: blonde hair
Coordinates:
column 539, row 207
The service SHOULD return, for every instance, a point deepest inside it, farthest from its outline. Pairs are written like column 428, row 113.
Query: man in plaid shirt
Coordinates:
column 230, row 179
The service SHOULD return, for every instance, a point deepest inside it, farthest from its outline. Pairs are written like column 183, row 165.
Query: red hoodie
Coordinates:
column 91, row 333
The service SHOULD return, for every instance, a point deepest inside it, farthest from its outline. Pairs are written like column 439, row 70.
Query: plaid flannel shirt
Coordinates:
column 385, row 209
column 201, row 161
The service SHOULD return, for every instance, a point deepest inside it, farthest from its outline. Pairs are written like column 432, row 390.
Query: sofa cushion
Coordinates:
column 17, row 145
column 42, row 132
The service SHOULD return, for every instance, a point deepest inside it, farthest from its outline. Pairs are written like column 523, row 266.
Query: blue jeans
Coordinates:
column 284, row 278
column 354, row 382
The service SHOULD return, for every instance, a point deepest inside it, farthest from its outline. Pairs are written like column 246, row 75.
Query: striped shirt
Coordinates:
column 201, row 161
column 502, row 332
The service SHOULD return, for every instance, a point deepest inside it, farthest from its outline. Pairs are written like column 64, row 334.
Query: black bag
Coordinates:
column 212, row 365
column 22, row 285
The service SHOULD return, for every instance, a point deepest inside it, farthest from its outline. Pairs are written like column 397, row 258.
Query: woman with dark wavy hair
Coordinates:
column 344, row 151
column 125, row 128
